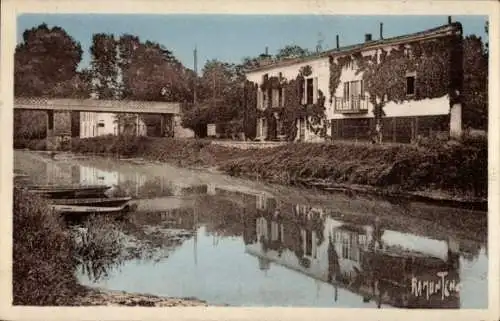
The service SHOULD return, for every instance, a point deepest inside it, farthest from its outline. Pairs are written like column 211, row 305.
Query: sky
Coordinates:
column 230, row 38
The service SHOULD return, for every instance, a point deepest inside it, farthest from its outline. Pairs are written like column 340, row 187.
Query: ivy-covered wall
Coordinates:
column 292, row 108
column 436, row 63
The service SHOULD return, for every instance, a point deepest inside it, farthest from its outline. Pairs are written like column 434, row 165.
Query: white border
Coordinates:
column 11, row 8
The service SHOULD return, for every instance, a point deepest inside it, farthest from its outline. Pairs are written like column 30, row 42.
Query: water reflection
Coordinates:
column 363, row 259
column 230, row 244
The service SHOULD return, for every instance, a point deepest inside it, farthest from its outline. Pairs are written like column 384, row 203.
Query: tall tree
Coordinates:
column 46, row 59
column 223, row 91
column 104, row 66
column 45, row 65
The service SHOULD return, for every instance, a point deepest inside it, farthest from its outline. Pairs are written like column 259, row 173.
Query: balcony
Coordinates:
column 351, row 105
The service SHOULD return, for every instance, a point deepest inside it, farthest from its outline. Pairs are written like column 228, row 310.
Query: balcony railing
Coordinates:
column 351, row 105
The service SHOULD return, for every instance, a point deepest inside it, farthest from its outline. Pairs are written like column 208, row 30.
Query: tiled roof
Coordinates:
column 454, row 28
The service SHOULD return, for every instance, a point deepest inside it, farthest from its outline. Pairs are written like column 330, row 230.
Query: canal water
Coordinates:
column 235, row 242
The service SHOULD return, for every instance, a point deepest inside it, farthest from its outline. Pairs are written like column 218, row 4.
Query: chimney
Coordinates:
column 337, row 38
column 368, row 37
column 267, row 51
column 449, row 20
column 381, row 31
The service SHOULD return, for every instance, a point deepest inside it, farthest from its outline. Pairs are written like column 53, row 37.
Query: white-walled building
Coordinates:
column 421, row 99
column 99, row 124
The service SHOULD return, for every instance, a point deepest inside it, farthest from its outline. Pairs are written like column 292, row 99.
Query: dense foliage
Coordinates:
column 475, row 88
column 46, row 64
column 43, row 271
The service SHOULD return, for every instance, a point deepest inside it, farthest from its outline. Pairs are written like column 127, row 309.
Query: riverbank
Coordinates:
column 102, row 297
column 454, row 172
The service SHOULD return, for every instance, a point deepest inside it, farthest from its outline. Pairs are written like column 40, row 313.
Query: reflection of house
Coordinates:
column 94, row 176
column 365, row 259
column 59, row 173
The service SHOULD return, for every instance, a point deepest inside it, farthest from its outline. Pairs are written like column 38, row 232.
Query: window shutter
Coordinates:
column 304, row 92
column 315, row 89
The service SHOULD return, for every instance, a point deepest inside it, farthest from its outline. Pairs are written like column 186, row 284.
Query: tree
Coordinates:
column 292, row 51
column 104, row 66
column 45, row 65
column 150, row 72
column 46, row 59
column 475, row 85
column 221, row 89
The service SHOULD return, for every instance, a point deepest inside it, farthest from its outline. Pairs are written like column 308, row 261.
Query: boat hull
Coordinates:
column 66, row 192
column 76, row 210
column 97, row 202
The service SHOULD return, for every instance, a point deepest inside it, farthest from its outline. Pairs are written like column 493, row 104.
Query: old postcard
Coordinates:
column 261, row 160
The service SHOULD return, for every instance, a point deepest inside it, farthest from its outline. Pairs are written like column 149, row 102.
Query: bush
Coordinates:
column 32, row 144
column 43, row 270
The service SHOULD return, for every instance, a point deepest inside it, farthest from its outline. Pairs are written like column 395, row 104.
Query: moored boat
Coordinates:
column 87, row 210
column 69, row 191
column 97, row 202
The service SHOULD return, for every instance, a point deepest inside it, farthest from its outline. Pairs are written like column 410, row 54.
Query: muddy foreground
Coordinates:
column 101, row 297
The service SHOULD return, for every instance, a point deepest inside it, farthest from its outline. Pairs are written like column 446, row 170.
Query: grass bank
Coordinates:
column 442, row 169
column 43, row 271
column 457, row 169
column 46, row 255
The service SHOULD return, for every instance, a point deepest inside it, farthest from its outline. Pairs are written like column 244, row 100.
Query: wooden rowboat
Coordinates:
column 87, row 210
column 69, row 191
column 97, row 202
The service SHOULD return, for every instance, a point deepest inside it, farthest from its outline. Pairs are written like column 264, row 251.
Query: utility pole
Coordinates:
column 195, row 53
column 245, row 112
column 213, row 90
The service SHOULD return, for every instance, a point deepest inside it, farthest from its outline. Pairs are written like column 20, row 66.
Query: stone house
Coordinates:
column 408, row 86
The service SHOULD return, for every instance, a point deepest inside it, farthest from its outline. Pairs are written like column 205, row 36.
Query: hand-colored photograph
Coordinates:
column 316, row 161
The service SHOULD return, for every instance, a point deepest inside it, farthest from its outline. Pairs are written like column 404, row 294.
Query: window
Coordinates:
column 101, row 124
column 410, row 85
column 276, row 97
column 265, row 99
column 260, row 99
column 353, row 65
column 353, row 88
column 309, row 91
column 346, row 90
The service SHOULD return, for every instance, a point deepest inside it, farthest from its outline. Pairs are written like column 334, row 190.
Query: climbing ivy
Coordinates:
column 293, row 108
column 336, row 66
column 436, row 64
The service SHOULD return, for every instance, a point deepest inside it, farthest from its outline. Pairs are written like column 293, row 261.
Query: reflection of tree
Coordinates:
column 102, row 245
column 224, row 215
column 376, row 237
column 333, row 262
